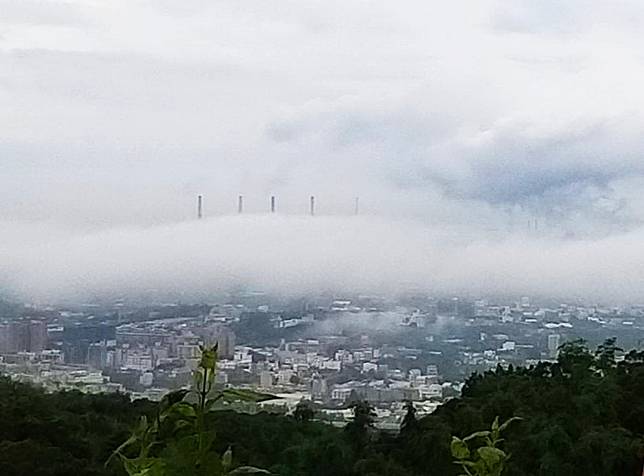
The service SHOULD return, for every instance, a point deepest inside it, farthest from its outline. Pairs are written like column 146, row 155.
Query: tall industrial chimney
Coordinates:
column 199, row 207
column 272, row 203
column 357, row 208
column 240, row 204
column 312, row 207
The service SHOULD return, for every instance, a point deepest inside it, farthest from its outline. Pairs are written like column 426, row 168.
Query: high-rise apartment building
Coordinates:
column 553, row 345
column 24, row 335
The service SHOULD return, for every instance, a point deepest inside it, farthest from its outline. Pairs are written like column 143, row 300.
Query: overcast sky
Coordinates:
column 456, row 121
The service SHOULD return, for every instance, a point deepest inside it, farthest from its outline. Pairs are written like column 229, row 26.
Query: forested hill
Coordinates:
column 583, row 415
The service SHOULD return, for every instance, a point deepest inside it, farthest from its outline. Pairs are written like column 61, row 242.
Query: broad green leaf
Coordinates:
column 459, row 449
column 143, row 466
column 184, row 409
column 493, row 457
column 173, row 397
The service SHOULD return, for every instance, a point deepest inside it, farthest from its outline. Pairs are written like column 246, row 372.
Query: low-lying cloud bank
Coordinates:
column 300, row 254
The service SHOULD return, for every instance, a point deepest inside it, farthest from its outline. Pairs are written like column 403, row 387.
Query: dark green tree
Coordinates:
column 360, row 429
column 409, row 424
column 304, row 411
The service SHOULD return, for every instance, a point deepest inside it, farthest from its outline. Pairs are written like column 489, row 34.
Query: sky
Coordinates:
column 495, row 146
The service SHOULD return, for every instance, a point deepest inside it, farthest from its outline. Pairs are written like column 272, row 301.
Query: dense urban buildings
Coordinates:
column 325, row 349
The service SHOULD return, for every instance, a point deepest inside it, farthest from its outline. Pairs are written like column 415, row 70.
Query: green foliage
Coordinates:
column 180, row 439
column 569, row 407
column 62, row 433
column 488, row 459
column 363, row 416
column 583, row 414
column 75, row 433
column 304, row 411
column 409, row 422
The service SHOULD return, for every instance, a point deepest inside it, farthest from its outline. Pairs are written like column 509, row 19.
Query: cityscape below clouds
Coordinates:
column 321, row 237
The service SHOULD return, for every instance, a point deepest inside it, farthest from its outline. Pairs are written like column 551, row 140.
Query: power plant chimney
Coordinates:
column 312, row 206
column 199, row 207
column 273, row 204
column 357, row 209
column 240, row 204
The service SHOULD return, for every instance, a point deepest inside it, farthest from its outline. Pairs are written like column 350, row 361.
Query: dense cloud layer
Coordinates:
column 465, row 119
column 298, row 255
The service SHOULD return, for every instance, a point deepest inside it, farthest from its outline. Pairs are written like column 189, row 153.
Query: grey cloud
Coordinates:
column 300, row 255
column 524, row 16
column 438, row 116
column 516, row 167
column 550, row 173
column 31, row 12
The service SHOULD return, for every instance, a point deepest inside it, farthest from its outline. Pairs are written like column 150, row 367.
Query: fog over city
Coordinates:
column 292, row 255
column 495, row 147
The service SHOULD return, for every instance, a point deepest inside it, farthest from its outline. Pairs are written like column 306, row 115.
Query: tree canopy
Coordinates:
column 580, row 415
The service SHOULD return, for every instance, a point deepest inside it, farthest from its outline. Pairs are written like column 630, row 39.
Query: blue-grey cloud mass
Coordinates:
column 479, row 121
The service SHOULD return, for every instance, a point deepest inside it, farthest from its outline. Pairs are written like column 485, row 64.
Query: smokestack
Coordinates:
column 199, row 207
column 273, row 204
column 357, row 209
column 312, row 207
column 240, row 204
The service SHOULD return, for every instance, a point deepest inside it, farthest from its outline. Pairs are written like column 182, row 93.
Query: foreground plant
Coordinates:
column 486, row 460
column 179, row 441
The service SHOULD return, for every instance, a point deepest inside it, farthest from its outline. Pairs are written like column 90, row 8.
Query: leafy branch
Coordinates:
column 488, row 459
column 179, row 440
